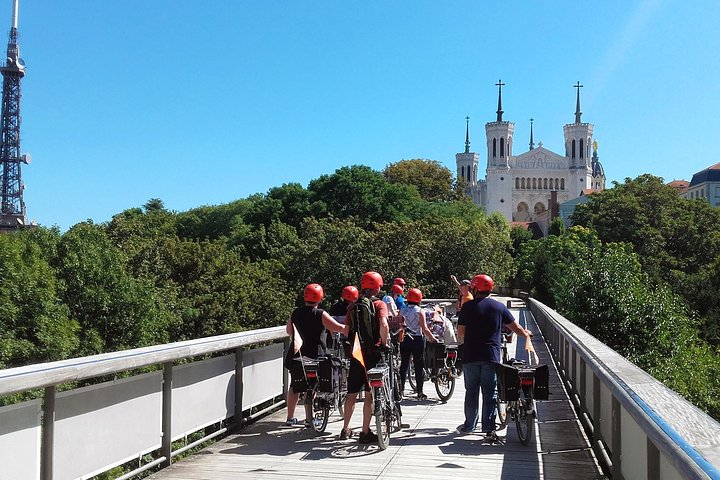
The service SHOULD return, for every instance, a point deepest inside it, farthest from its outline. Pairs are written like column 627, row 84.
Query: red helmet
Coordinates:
column 399, row 281
column 350, row 293
column 482, row 283
column 313, row 293
column 414, row 295
column 397, row 289
column 371, row 281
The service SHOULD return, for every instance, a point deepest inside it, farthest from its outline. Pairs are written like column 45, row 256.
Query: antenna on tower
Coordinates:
column 12, row 205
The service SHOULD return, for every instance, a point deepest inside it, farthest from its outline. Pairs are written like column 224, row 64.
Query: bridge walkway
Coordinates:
column 430, row 448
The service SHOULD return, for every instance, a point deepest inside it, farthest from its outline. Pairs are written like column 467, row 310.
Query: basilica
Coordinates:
column 520, row 187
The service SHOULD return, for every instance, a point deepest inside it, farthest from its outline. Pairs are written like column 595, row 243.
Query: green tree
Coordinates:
column 115, row 311
column 433, row 181
column 34, row 324
column 363, row 193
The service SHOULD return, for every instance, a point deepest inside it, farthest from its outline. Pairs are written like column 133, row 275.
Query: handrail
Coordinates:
column 679, row 450
column 19, row 379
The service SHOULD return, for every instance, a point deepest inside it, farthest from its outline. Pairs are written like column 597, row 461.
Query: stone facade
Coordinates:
column 519, row 186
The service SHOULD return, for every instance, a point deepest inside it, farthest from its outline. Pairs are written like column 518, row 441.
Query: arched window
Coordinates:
column 545, row 185
column 539, row 208
column 573, row 149
column 522, row 183
column 562, row 184
column 517, row 183
column 462, row 171
column 494, row 147
column 502, row 147
column 582, row 145
column 474, row 173
column 557, row 184
column 534, row 183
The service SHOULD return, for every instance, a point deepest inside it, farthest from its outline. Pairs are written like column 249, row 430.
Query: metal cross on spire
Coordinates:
column 499, row 110
column 467, row 134
column 577, row 106
column 532, row 143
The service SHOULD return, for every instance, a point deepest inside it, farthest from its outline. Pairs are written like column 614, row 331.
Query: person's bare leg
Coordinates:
column 292, row 400
column 367, row 412
column 348, row 410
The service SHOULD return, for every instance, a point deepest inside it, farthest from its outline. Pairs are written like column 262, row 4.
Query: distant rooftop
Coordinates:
column 680, row 186
column 710, row 174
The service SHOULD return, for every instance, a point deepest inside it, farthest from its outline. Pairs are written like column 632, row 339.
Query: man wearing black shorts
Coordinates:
column 370, row 343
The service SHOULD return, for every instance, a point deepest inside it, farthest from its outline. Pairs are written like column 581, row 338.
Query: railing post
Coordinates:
column 48, row 434
column 653, row 460
column 166, row 444
column 286, row 375
column 239, row 362
column 616, row 439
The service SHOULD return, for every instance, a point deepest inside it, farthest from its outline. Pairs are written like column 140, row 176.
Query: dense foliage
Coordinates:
column 641, row 276
column 152, row 276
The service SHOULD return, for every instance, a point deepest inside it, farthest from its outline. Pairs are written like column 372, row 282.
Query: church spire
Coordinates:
column 499, row 110
column 532, row 144
column 577, row 105
column 467, row 134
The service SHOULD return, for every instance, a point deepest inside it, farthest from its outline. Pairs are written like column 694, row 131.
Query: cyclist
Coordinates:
column 479, row 327
column 413, row 344
column 464, row 294
column 338, row 310
column 391, row 298
column 372, row 333
column 306, row 326
column 400, row 300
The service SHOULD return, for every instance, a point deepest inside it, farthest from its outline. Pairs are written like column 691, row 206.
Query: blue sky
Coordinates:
column 202, row 103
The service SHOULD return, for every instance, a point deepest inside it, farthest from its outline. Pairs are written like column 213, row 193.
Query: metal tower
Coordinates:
column 12, row 211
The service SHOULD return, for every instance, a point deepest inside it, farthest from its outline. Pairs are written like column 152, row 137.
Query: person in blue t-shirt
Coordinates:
column 479, row 325
column 399, row 300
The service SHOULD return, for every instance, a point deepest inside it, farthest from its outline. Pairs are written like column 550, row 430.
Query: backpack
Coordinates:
column 362, row 315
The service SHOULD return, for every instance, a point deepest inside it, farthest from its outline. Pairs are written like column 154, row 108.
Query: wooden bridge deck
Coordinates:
column 430, row 448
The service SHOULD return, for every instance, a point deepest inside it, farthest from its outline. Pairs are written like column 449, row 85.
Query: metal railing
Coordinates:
column 639, row 428
column 40, row 439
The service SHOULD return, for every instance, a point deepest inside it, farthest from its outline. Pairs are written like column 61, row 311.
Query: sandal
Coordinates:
column 345, row 434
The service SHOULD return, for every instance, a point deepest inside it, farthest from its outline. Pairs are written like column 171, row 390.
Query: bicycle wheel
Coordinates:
column 444, row 385
column 320, row 413
column 524, row 422
column 502, row 413
column 383, row 418
column 411, row 376
column 396, row 398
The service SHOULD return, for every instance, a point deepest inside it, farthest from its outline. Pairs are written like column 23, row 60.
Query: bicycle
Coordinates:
column 501, row 406
column 439, row 368
column 520, row 386
column 323, row 401
column 384, row 382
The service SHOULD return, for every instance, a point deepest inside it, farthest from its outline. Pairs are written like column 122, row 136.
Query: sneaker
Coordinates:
column 421, row 396
column 345, row 434
column 491, row 437
column 368, row 437
column 307, row 424
column 291, row 422
column 463, row 429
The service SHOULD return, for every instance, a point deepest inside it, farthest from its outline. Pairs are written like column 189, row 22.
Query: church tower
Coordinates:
column 467, row 167
column 578, row 138
column 467, row 162
column 499, row 147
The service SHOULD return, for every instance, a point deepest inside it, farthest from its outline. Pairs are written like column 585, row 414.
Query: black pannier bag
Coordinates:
column 509, row 382
column 542, row 381
column 508, row 378
column 434, row 355
column 328, row 374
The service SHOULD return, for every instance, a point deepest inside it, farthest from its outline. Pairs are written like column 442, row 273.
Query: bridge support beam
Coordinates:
column 616, row 439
